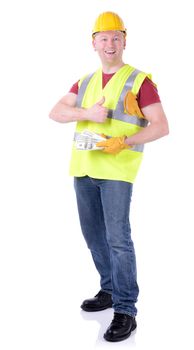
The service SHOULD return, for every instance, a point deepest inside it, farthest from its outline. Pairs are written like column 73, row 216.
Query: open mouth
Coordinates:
column 110, row 52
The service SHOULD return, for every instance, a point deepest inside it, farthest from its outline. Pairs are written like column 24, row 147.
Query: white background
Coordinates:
column 45, row 268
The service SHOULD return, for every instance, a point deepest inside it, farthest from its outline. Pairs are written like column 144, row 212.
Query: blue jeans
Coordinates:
column 103, row 207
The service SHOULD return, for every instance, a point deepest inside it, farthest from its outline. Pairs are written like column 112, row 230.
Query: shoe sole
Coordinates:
column 121, row 338
column 96, row 309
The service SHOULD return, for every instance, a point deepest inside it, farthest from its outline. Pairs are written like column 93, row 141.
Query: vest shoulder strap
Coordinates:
column 139, row 80
column 83, row 83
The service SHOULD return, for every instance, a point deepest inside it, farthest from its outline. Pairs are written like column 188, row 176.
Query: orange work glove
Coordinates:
column 131, row 106
column 113, row 145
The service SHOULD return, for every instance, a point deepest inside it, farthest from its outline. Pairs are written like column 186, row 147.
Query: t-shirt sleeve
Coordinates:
column 74, row 89
column 148, row 94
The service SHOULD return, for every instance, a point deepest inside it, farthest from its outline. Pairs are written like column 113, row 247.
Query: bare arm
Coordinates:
column 158, row 125
column 66, row 111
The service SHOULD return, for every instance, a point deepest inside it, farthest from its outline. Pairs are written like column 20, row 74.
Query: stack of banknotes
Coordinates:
column 87, row 140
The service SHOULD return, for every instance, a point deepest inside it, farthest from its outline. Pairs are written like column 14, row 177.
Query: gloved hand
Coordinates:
column 113, row 145
column 131, row 106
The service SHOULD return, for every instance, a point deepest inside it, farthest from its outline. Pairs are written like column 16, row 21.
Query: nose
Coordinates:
column 110, row 42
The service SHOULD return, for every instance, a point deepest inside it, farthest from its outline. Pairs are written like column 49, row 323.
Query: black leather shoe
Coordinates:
column 120, row 328
column 101, row 301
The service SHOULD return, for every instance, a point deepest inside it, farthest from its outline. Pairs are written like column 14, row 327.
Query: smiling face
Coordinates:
column 110, row 46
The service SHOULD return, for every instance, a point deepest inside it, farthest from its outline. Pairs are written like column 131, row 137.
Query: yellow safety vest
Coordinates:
column 124, row 165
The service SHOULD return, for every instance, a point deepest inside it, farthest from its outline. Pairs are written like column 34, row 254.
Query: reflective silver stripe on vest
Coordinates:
column 118, row 113
column 123, row 117
column 136, row 148
column 82, row 89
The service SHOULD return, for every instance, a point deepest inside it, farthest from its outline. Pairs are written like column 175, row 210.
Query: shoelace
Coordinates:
column 101, row 295
column 118, row 319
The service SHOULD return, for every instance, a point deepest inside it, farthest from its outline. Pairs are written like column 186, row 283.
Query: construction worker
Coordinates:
column 123, row 104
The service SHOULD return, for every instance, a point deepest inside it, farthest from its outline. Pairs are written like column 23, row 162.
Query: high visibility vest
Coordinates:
column 124, row 165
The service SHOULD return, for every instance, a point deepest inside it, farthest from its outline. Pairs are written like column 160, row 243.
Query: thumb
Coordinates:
column 102, row 100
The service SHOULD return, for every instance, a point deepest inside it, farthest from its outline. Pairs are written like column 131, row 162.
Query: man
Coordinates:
column 121, row 103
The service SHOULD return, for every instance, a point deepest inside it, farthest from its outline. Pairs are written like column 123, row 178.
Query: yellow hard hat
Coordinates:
column 108, row 21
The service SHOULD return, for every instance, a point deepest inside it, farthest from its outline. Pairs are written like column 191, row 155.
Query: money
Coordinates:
column 87, row 140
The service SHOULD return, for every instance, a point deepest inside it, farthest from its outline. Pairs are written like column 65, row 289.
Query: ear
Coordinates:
column 124, row 44
column 94, row 44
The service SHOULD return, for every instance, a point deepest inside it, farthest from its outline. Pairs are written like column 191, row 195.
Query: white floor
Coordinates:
column 40, row 309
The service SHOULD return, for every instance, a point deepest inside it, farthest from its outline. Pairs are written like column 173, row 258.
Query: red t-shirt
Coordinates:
column 147, row 94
